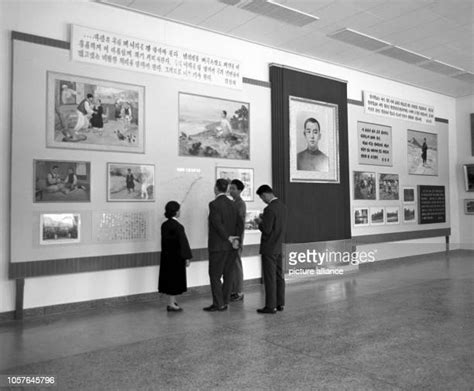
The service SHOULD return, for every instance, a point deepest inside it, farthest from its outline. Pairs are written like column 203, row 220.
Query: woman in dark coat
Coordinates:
column 175, row 257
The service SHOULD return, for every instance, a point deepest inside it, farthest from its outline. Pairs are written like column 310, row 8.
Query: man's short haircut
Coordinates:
column 238, row 184
column 225, row 112
column 55, row 167
column 90, row 96
column 222, row 185
column 264, row 189
column 313, row 121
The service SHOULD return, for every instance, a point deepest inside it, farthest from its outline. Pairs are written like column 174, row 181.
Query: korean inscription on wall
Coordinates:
column 375, row 144
column 110, row 49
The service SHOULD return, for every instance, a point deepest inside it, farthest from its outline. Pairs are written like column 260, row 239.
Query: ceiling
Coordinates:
column 439, row 32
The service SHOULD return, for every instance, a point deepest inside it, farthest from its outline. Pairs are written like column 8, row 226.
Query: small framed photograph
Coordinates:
column 392, row 214
column 388, row 187
column 314, row 141
column 469, row 177
column 60, row 228
column 61, row 181
column 130, row 182
column 364, row 185
column 469, row 207
column 243, row 174
column 409, row 214
column 361, row 217
column 94, row 114
column 213, row 127
column 409, row 195
column 377, row 215
column 251, row 217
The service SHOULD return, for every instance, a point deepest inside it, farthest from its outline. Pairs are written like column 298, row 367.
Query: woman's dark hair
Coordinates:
column 171, row 209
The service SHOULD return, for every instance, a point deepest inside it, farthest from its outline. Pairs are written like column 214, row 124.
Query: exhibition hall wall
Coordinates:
column 161, row 121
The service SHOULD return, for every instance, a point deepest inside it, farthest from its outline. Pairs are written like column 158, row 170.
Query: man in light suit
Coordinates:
column 272, row 224
column 224, row 228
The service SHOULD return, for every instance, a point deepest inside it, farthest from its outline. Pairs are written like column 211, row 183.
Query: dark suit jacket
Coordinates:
column 223, row 222
column 273, row 227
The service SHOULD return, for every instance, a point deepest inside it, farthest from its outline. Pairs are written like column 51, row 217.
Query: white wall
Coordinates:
column 51, row 19
column 464, row 108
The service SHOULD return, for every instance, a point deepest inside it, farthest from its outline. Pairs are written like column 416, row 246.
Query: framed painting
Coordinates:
column 361, row 217
column 409, row 195
column 251, row 220
column 409, row 214
column 60, row 228
column 61, row 181
column 388, row 187
column 314, row 141
column 243, row 174
column 364, row 185
column 469, row 207
column 377, row 215
column 213, row 127
column 422, row 153
column 130, row 182
column 94, row 114
column 468, row 177
column 392, row 214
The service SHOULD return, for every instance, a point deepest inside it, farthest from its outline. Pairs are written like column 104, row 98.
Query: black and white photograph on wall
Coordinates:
column 388, row 187
column 469, row 177
column 213, row 127
column 409, row 214
column 409, row 195
column 60, row 228
column 392, row 214
column 251, row 220
column 361, row 217
column 61, row 181
column 94, row 114
column 314, row 141
column 243, row 174
column 131, row 182
column 469, row 207
column 364, row 185
column 422, row 153
column 377, row 215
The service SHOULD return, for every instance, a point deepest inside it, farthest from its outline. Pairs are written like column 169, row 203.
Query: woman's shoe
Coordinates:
column 173, row 309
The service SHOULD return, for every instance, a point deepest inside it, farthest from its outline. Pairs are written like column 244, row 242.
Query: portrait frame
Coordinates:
column 327, row 115
column 468, row 171
column 409, row 195
column 121, row 127
column 469, row 206
column 204, row 132
column 53, row 231
column 251, row 225
column 61, row 192
column 243, row 174
column 414, row 154
column 361, row 216
column 120, row 189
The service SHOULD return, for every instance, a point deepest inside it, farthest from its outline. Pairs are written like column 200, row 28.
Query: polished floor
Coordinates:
column 397, row 326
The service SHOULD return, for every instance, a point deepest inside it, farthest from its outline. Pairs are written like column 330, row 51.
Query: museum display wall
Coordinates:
column 155, row 153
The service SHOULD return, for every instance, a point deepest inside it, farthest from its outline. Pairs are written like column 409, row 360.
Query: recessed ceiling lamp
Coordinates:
column 361, row 40
column 404, row 55
column 274, row 10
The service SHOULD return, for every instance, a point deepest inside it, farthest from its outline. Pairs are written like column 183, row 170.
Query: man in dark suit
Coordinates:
column 224, row 228
column 272, row 224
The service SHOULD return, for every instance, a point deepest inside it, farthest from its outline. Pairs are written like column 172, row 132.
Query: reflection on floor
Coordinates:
column 398, row 326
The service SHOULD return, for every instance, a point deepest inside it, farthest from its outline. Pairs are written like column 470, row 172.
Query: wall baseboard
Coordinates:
column 110, row 302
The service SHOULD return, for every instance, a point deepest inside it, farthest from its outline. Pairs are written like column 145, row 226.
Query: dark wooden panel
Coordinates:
column 90, row 264
column 442, row 120
column 317, row 211
column 40, row 40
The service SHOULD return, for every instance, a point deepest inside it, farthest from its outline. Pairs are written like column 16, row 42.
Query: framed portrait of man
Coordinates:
column 314, row 144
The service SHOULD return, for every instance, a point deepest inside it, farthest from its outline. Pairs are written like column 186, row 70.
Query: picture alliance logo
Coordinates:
column 319, row 258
